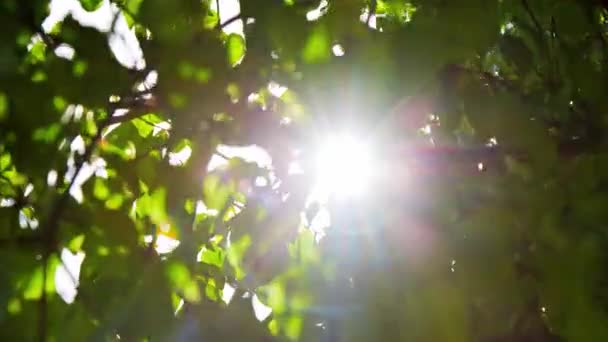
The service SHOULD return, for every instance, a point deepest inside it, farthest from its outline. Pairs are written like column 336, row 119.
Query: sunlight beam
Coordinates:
column 343, row 167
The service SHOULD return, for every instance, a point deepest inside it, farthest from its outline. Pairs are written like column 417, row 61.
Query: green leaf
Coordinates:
column 33, row 290
column 75, row 244
column 100, row 189
column 133, row 6
column 15, row 177
column 180, row 279
column 215, row 193
column 37, row 53
column 276, row 296
column 293, row 327
column 115, row 201
column 60, row 104
column 235, row 46
column 91, row 5
column 5, row 161
column 185, row 70
column 235, row 254
column 153, row 206
column 307, row 248
column 212, row 256
column 178, row 274
column 47, row 134
column 14, row 306
column 3, row 106
column 178, row 100
column 211, row 20
column 143, row 128
column 145, row 124
column 317, row 48
column 211, row 290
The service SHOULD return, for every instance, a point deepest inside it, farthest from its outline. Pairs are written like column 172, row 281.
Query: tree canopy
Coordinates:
column 160, row 176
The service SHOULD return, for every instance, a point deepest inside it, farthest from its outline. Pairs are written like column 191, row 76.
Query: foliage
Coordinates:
column 114, row 225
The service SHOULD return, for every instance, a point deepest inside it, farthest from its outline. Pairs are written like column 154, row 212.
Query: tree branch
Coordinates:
column 528, row 9
column 372, row 11
column 50, row 229
column 42, row 304
column 60, row 204
column 217, row 9
column 136, row 107
column 21, row 241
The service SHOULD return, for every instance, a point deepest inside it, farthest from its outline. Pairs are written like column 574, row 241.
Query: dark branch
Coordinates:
column 537, row 24
column 21, row 241
column 42, row 304
column 50, row 229
column 372, row 11
column 217, row 9
column 60, row 205
column 136, row 107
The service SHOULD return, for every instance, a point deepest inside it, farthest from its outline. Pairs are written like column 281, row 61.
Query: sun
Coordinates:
column 343, row 166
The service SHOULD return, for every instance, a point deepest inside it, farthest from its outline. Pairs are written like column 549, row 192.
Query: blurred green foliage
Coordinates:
column 108, row 129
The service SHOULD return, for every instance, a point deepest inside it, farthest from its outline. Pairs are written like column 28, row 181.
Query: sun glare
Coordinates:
column 343, row 167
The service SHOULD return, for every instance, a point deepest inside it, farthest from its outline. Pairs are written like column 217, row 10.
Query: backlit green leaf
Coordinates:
column 91, row 5
column 235, row 46
column 317, row 48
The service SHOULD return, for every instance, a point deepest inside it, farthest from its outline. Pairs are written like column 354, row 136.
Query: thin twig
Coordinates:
column 222, row 155
column 48, row 39
column 132, row 114
column 150, row 123
column 540, row 34
column 217, row 9
column 229, row 21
